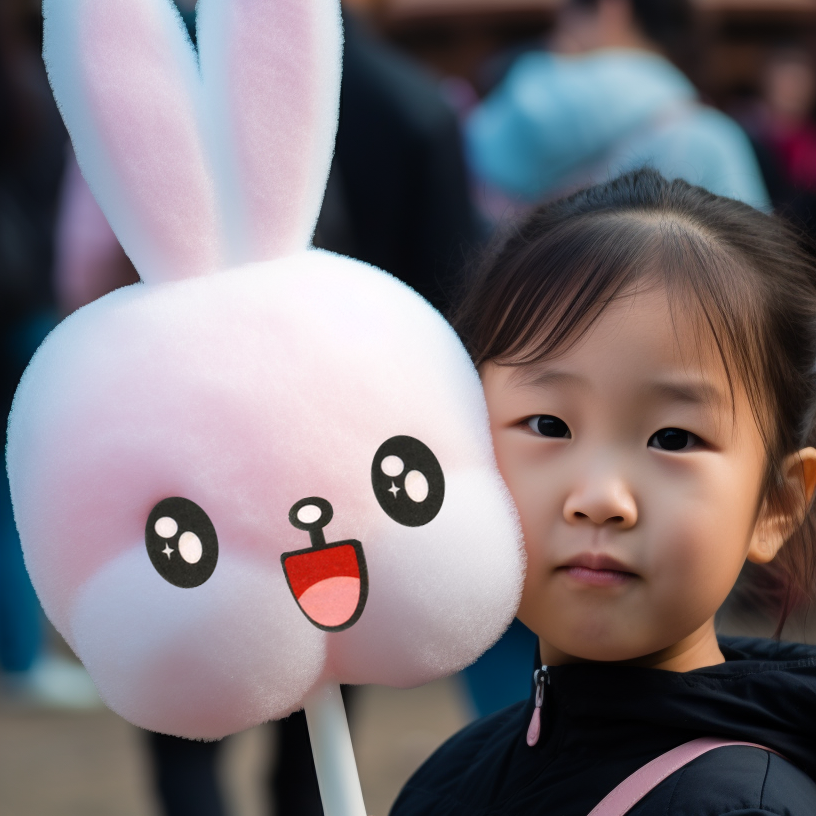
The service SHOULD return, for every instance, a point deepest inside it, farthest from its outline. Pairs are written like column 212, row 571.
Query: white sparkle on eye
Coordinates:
column 416, row 486
column 166, row 527
column 309, row 514
column 392, row 466
column 394, row 490
column 190, row 547
column 167, row 550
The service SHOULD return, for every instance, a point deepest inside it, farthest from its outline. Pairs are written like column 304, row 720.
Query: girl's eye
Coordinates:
column 547, row 425
column 673, row 439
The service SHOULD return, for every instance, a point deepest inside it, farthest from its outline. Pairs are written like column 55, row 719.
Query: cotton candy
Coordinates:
column 266, row 466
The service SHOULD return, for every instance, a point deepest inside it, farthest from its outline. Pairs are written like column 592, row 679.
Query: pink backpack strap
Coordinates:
column 636, row 786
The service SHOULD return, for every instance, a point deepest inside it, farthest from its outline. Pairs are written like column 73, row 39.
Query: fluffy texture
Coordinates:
column 245, row 388
column 272, row 74
column 125, row 77
column 245, row 392
column 198, row 170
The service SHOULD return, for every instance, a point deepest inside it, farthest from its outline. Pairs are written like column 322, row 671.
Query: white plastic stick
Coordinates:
column 333, row 755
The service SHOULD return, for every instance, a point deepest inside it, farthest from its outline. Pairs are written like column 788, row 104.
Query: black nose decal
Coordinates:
column 312, row 515
column 408, row 481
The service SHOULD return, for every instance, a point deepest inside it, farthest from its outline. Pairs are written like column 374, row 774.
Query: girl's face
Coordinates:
column 636, row 484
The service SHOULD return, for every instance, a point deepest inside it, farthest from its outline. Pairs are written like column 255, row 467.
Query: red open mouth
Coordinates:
column 329, row 583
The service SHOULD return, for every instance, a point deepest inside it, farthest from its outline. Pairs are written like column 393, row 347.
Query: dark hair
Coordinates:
column 743, row 273
column 668, row 23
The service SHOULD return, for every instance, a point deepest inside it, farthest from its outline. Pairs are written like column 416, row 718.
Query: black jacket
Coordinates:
column 601, row 723
column 397, row 195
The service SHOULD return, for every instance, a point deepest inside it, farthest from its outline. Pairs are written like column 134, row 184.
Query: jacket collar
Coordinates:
column 764, row 692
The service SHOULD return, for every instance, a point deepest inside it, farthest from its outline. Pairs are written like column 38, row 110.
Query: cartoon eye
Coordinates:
column 181, row 542
column 408, row 481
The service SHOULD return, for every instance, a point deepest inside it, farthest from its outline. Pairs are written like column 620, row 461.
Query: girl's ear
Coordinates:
column 124, row 75
column 271, row 71
column 772, row 530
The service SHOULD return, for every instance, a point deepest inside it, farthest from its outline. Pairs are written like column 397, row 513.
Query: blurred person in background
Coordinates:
column 397, row 197
column 782, row 124
column 32, row 149
column 608, row 99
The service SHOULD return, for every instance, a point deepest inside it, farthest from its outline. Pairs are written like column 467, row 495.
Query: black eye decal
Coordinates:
column 181, row 542
column 408, row 481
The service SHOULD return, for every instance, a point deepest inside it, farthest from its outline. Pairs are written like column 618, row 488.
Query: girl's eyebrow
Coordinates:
column 689, row 392
column 694, row 393
column 535, row 377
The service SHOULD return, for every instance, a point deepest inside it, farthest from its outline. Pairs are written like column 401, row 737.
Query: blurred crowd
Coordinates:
column 779, row 120
column 426, row 168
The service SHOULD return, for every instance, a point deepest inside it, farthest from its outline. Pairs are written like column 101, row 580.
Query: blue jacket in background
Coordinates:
column 557, row 123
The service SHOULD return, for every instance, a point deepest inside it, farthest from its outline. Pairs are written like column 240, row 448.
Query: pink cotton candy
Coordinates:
column 175, row 444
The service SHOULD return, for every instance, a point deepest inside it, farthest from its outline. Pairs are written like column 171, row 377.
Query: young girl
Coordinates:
column 647, row 351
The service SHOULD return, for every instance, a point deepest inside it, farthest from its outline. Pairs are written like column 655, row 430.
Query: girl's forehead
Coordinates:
column 643, row 347
column 641, row 329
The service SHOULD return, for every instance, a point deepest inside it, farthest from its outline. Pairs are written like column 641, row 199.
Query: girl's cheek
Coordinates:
column 702, row 559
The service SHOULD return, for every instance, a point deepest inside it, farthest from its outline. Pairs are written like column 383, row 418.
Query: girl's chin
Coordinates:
column 574, row 644
column 591, row 655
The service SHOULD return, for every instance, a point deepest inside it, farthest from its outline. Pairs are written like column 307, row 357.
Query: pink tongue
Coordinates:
column 331, row 602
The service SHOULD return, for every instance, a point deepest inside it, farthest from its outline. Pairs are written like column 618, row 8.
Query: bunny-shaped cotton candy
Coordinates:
column 266, row 466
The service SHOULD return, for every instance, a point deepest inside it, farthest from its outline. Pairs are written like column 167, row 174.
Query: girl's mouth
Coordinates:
column 598, row 577
column 597, row 569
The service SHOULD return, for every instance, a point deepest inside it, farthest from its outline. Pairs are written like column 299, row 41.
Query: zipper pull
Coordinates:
column 541, row 678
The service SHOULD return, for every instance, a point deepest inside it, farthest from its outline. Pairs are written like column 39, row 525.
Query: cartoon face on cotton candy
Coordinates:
column 265, row 466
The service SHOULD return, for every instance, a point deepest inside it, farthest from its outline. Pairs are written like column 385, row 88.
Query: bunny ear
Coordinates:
column 271, row 72
column 125, row 77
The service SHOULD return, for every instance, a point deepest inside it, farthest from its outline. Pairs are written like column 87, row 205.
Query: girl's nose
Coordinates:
column 601, row 501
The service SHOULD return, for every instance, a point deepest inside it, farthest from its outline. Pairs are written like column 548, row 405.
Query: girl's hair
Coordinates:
column 740, row 273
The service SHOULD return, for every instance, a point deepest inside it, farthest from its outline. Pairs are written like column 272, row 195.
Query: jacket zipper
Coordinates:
column 541, row 678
